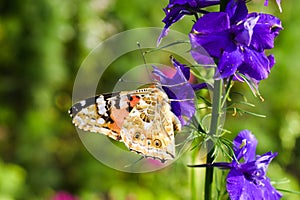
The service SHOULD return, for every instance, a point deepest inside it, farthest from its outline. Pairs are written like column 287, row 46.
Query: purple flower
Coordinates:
column 248, row 180
column 180, row 91
column 278, row 4
column 247, row 176
column 237, row 40
column 176, row 9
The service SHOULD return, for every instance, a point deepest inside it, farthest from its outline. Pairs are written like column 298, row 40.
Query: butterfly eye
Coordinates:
column 157, row 143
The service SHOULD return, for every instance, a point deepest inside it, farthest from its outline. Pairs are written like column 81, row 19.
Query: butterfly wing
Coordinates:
column 142, row 119
column 149, row 127
column 103, row 113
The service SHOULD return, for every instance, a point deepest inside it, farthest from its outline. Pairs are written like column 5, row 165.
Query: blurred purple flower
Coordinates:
column 278, row 4
column 62, row 195
column 237, row 40
column 176, row 9
column 180, row 91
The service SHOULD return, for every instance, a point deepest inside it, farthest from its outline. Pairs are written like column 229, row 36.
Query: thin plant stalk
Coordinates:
column 213, row 131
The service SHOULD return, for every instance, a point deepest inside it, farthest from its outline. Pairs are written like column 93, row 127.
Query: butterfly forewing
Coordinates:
column 102, row 114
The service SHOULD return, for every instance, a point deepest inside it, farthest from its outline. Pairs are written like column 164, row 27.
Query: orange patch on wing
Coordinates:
column 114, row 127
column 134, row 101
column 118, row 116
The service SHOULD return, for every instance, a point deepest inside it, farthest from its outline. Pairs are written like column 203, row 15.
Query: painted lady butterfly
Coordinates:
column 142, row 119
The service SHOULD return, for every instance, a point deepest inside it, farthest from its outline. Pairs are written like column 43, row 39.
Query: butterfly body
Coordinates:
column 142, row 119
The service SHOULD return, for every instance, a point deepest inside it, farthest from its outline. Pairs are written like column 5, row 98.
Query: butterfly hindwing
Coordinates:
column 149, row 128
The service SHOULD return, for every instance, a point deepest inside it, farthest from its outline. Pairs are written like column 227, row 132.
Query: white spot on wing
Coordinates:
column 78, row 121
column 101, row 109
column 100, row 100
column 82, row 103
column 101, row 105
column 100, row 121
column 85, row 111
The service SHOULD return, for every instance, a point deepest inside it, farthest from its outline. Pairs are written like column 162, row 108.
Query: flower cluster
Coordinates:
column 235, row 38
column 248, row 180
column 235, row 41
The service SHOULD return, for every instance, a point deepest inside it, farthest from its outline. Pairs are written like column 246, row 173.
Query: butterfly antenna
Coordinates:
column 142, row 53
column 144, row 59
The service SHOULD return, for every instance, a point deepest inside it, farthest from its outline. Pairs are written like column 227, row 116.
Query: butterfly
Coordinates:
column 142, row 119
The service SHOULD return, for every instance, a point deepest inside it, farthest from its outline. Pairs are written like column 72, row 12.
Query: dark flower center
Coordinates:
column 255, row 175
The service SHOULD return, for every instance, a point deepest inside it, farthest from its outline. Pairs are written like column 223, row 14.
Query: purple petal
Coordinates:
column 265, row 31
column 181, row 68
column 228, row 63
column 256, row 170
column 259, row 30
column 211, row 23
column 204, row 3
column 211, row 32
column 237, row 10
column 163, row 33
column 214, row 44
column 176, row 9
column 201, row 86
column 193, row 3
column 244, row 145
column 256, row 64
column 172, row 15
column 264, row 160
column 244, row 31
column 184, row 109
column 271, row 61
column 238, row 187
column 269, row 192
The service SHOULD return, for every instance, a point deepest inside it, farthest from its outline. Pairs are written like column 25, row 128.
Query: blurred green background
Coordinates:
column 42, row 46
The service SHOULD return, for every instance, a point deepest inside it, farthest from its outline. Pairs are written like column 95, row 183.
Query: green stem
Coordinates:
column 193, row 179
column 209, row 177
column 227, row 90
column 215, row 119
column 216, row 107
